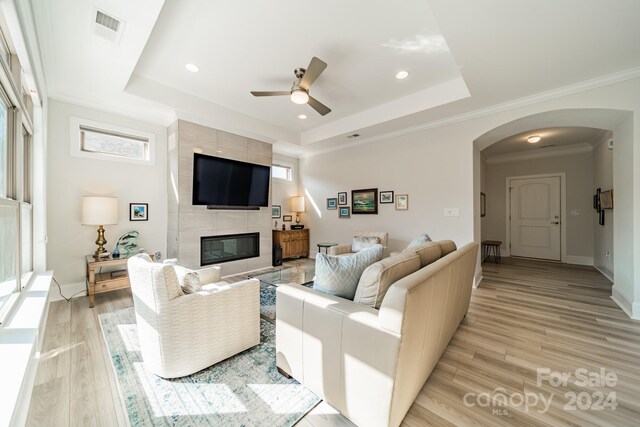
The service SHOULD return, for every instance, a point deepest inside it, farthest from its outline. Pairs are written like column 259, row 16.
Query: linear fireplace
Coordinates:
column 229, row 247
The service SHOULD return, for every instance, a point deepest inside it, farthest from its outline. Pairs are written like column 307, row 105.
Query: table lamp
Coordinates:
column 99, row 211
column 296, row 204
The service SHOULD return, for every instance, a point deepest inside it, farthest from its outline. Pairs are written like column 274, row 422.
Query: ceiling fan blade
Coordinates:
column 271, row 93
column 315, row 68
column 318, row 106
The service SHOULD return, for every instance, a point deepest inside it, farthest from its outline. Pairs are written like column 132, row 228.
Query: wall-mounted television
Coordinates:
column 229, row 184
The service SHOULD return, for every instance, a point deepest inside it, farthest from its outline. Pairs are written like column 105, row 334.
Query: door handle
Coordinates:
column 556, row 222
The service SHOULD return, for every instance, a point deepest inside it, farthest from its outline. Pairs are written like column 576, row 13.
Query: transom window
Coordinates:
column 283, row 172
column 113, row 144
column 109, row 142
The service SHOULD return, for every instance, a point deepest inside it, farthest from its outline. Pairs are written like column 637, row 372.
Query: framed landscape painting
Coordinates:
column 138, row 211
column 364, row 201
column 402, row 202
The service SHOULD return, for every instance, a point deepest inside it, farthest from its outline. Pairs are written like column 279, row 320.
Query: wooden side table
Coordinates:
column 97, row 283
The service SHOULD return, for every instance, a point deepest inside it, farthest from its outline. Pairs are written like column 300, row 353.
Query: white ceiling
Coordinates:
column 550, row 137
column 462, row 55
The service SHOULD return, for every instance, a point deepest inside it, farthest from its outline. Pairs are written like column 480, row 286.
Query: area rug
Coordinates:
column 244, row 390
column 268, row 300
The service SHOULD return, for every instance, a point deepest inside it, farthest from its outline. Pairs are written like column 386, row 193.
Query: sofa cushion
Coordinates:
column 378, row 277
column 361, row 243
column 339, row 275
column 191, row 283
column 428, row 252
column 420, row 240
column 447, row 246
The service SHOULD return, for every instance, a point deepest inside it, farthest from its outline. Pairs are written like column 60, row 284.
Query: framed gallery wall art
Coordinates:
column 386, row 197
column 364, row 201
column 344, row 212
column 287, row 218
column 342, row 198
column 332, row 203
column 276, row 211
column 138, row 211
column 402, row 202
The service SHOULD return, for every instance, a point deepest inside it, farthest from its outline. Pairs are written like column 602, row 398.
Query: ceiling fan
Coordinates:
column 299, row 92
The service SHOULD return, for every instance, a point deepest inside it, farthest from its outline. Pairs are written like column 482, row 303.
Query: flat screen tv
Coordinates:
column 223, row 183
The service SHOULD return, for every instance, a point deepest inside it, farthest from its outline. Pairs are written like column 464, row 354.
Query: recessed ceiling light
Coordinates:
column 533, row 139
column 302, row 116
column 402, row 75
column 192, row 67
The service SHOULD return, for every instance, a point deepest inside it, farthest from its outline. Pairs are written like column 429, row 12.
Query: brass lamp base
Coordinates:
column 100, row 241
column 297, row 218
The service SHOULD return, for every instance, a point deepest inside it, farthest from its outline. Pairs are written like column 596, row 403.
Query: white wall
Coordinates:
column 283, row 190
column 69, row 178
column 578, row 169
column 433, row 168
column 603, row 179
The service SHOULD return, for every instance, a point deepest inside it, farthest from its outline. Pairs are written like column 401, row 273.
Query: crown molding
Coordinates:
column 602, row 81
column 540, row 153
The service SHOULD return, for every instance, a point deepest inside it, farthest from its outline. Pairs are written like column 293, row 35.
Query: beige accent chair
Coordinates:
column 182, row 334
column 348, row 249
column 371, row 364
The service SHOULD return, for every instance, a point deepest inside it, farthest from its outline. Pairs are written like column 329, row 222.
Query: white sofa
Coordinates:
column 348, row 249
column 371, row 364
column 182, row 334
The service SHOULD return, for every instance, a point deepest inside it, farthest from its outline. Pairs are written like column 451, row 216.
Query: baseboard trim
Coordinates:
column 477, row 280
column 605, row 272
column 578, row 260
column 69, row 290
column 625, row 304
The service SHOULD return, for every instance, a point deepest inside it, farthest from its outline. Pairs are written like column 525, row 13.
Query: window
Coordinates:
column 6, row 153
column 109, row 142
column 26, row 168
column 280, row 171
column 9, row 250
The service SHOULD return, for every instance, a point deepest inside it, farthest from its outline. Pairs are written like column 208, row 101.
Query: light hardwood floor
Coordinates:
column 525, row 315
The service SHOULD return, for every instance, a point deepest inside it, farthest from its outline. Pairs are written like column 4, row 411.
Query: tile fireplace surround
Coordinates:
column 187, row 223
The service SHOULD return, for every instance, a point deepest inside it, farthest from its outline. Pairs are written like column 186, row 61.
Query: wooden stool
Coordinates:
column 489, row 247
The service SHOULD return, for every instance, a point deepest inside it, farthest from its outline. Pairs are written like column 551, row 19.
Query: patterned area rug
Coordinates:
column 268, row 300
column 244, row 390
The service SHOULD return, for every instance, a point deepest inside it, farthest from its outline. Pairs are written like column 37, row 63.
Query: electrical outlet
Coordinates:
column 607, row 254
column 575, row 212
column 451, row 212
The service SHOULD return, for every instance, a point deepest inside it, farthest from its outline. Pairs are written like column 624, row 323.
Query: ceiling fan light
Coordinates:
column 533, row 139
column 299, row 96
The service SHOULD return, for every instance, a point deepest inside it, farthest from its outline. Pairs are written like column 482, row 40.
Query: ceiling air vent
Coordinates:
column 355, row 135
column 107, row 26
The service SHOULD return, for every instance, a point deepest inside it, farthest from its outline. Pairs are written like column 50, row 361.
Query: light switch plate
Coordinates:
column 451, row 212
column 575, row 212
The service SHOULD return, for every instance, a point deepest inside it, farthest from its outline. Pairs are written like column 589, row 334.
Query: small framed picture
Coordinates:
column 287, row 218
column 402, row 202
column 332, row 203
column 344, row 212
column 386, row 197
column 276, row 211
column 342, row 198
column 606, row 199
column 138, row 211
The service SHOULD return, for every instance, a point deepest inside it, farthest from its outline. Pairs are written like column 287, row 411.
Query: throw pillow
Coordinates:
column 361, row 243
column 339, row 275
column 378, row 277
column 428, row 252
column 420, row 240
column 191, row 283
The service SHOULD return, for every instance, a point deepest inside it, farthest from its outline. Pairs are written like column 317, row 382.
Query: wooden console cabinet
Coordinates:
column 294, row 243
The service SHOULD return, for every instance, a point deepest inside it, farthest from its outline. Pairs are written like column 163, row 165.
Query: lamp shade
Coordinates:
column 99, row 210
column 296, row 204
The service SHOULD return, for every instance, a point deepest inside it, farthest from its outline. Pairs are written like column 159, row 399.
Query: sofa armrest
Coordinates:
column 209, row 274
column 339, row 250
column 349, row 360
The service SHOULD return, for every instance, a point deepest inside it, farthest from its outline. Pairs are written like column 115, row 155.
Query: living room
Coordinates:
column 418, row 94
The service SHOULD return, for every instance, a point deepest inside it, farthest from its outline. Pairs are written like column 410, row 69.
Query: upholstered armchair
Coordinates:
column 360, row 242
column 181, row 334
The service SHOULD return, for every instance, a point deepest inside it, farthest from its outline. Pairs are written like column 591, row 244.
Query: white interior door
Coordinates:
column 535, row 217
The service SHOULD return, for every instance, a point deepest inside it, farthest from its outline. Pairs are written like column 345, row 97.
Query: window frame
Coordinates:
column 78, row 125
column 289, row 166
